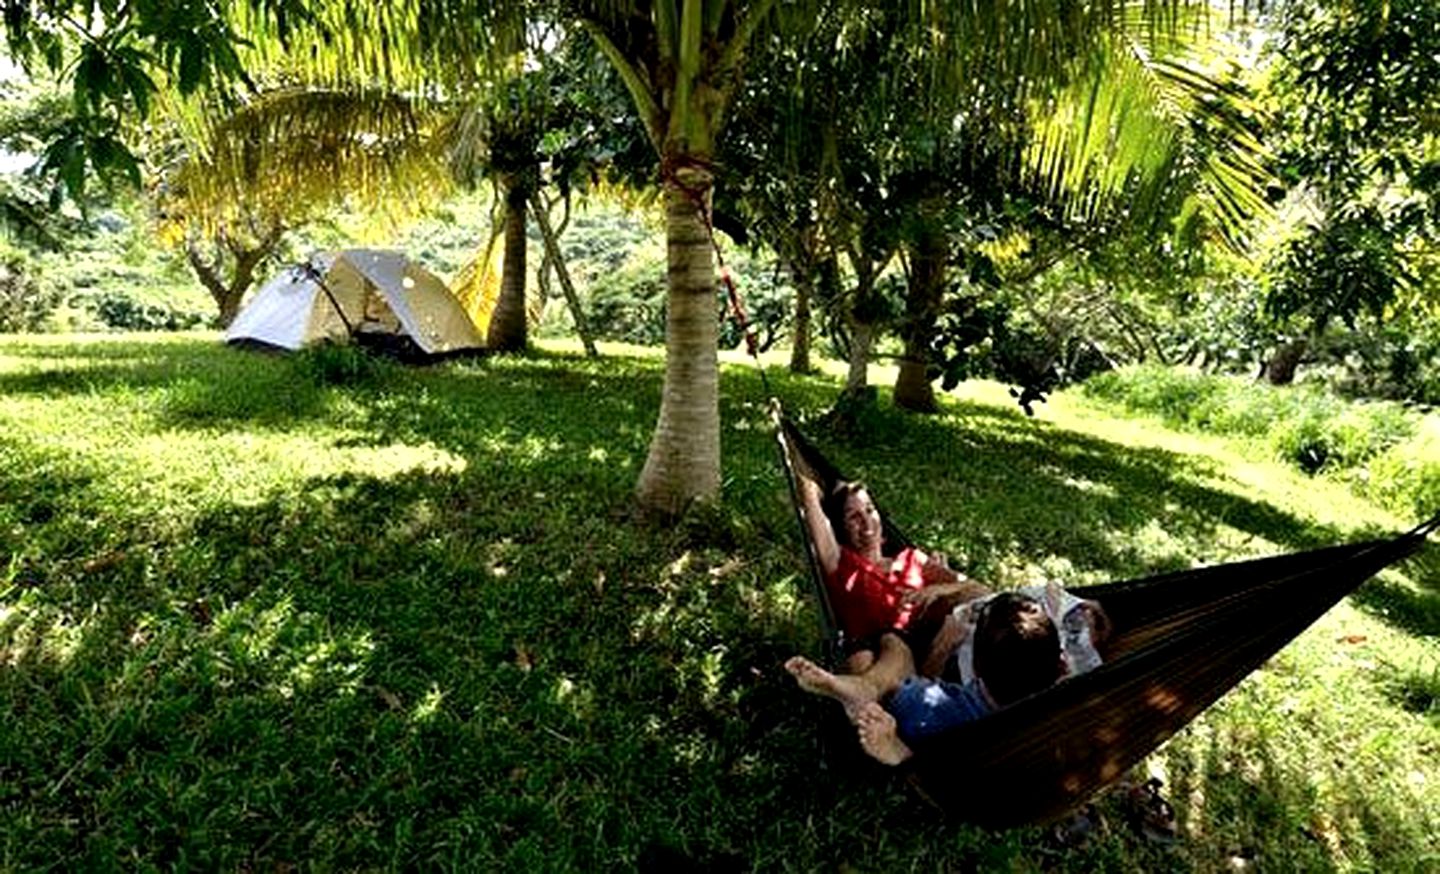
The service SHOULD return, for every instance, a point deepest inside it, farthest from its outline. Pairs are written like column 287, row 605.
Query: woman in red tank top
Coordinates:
column 873, row 593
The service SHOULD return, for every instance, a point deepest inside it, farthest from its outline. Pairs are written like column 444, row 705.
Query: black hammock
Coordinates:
column 1180, row 641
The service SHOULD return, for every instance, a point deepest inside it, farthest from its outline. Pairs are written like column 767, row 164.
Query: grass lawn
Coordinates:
column 261, row 612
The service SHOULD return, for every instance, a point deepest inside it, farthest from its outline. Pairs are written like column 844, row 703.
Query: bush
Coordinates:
column 336, row 364
column 121, row 311
column 629, row 304
column 26, row 302
column 1379, row 361
column 1406, row 478
column 1180, row 396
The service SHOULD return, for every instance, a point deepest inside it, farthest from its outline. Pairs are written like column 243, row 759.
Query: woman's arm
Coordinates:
column 821, row 534
column 942, row 581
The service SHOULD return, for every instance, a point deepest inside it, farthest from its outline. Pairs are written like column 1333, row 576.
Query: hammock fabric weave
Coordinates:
column 1180, row 641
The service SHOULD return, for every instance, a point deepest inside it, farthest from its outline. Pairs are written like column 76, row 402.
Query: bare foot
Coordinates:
column 848, row 690
column 878, row 736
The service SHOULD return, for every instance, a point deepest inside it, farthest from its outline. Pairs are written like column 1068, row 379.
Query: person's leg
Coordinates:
column 860, row 661
column 891, row 667
column 924, row 707
column 878, row 736
column 895, row 662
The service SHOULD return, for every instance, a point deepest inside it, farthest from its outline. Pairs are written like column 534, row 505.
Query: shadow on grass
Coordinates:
column 490, row 666
column 372, row 672
column 1412, row 608
column 1248, row 802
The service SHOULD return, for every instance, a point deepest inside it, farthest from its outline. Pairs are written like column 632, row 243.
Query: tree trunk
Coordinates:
column 508, row 329
column 800, row 349
column 1280, row 369
column 227, row 296
column 913, row 389
column 229, row 309
column 557, row 259
column 862, row 336
column 862, row 321
column 683, row 464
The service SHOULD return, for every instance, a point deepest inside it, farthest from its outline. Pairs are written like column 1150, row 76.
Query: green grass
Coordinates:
column 1384, row 450
column 260, row 612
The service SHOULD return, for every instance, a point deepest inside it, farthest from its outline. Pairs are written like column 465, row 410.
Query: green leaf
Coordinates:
column 111, row 158
column 193, row 59
column 140, row 86
column 72, row 171
column 53, row 50
column 92, row 76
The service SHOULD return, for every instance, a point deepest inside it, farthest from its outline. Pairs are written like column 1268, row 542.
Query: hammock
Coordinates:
column 1180, row 641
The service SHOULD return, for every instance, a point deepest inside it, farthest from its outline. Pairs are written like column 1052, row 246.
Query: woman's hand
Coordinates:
column 930, row 594
column 809, row 491
column 936, row 570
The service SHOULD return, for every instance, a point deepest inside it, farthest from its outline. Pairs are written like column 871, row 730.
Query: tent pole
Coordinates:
column 310, row 271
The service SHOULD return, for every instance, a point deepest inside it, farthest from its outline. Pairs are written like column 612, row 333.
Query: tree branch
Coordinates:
column 744, row 32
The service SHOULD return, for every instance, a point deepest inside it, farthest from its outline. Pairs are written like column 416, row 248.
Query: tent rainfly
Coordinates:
column 374, row 297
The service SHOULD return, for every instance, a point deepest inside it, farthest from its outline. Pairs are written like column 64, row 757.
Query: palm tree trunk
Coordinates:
column 683, row 465
column 508, row 329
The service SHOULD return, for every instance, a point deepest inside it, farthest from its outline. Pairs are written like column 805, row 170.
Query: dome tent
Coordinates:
column 374, row 297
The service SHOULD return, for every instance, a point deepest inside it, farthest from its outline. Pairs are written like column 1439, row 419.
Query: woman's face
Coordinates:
column 862, row 520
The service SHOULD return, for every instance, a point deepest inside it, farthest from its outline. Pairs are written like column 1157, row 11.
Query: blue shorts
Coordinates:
column 923, row 707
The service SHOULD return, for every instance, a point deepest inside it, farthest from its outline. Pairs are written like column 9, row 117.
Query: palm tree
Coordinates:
column 682, row 62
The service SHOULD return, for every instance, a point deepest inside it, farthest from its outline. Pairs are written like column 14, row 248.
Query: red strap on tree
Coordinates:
column 669, row 172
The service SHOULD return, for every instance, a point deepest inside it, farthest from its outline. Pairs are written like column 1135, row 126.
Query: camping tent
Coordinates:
column 377, row 297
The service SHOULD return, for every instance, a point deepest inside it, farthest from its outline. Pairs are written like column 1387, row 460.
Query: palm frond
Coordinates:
column 477, row 284
column 430, row 47
column 1147, row 119
column 295, row 149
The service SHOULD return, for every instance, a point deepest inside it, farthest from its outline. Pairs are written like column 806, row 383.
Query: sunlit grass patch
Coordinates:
column 252, row 617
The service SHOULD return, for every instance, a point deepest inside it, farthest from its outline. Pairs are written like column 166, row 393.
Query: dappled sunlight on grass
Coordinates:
column 1272, row 770
column 428, row 706
column 33, row 631
column 411, row 622
column 296, row 650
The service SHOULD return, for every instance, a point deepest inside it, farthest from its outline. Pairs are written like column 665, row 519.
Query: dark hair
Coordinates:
column 834, row 506
column 1017, row 649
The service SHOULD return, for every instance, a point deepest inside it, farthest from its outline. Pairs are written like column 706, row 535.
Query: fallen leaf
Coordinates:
column 104, row 562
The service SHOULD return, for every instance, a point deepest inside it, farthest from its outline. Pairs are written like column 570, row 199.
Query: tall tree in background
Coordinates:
column 1358, row 112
